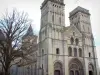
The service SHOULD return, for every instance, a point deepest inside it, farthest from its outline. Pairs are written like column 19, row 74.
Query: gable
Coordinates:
column 69, row 31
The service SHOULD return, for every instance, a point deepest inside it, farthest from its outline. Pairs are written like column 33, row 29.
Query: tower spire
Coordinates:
column 29, row 31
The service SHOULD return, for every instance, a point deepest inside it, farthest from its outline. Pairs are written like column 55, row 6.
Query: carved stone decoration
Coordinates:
column 75, row 67
column 58, row 69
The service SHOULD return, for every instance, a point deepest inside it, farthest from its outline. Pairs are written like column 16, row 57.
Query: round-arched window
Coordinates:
column 80, row 52
column 57, row 51
column 75, row 52
column 70, row 51
column 72, row 40
column 76, row 41
column 89, row 54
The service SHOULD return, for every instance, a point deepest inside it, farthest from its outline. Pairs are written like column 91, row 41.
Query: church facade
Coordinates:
column 66, row 50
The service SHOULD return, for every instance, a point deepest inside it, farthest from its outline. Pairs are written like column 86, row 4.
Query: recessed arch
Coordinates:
column 91, row 69
column 76, row 66
column 58, row 68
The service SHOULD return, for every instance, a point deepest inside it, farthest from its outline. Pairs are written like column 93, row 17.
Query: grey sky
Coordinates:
column 32, row 7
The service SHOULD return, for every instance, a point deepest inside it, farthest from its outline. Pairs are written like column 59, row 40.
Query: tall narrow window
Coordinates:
column 42, row 51
column 80, row 52
column 57, row 51
column 52, row 18
column 70, row 51
column 75, row 52
column 89, row 54
column 72, row 40
column 76, row 41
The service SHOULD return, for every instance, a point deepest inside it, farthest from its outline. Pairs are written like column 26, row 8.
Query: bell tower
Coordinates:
column 52, row 11
column 50, row 36
column 80, row 17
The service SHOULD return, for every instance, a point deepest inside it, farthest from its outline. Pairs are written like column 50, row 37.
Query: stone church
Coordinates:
column 61, row 50
column 66, row 50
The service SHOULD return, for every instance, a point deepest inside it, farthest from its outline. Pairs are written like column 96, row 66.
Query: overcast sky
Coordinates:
column 32, row 7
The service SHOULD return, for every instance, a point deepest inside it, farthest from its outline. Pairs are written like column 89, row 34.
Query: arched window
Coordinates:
column 70, row 51
column 42, row 51
column 76, row 41
column 52, row 18
column 57, row 51
column 75, row 52
column 72, row 40
column 80, row 52
column 89, row 54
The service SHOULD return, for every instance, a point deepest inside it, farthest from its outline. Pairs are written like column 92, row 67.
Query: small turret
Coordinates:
column 29, row 32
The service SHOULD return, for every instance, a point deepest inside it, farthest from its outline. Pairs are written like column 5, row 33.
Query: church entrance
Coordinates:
column 57, row 72
column 75, row 67
column 90, row 73
column 91, row 69
column 58, row 69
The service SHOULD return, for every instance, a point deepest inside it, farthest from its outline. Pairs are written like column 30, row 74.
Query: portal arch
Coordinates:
column 91, row 69
column 75, row 67
column 58, row 68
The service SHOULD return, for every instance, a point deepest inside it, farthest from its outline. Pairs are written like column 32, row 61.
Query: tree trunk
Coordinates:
column 7, row 71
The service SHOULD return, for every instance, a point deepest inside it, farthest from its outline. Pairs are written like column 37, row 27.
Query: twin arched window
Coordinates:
column 76, row 41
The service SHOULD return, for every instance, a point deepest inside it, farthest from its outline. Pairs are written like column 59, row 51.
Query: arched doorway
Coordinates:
column 75, row 67
column 58, row 69
column 90, row 73
column 91, row 69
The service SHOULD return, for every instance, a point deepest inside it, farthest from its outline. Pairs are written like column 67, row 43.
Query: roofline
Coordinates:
column 43, row 4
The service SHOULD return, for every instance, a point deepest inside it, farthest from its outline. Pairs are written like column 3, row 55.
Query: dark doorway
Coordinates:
column 57, row 72
column 90, row 73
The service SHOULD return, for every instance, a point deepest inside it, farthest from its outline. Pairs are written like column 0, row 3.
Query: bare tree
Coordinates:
column 13, row 26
